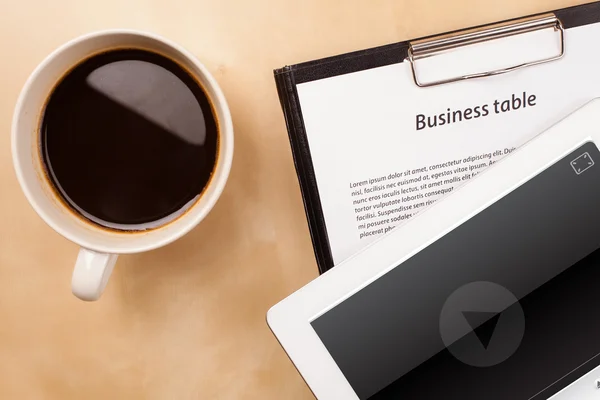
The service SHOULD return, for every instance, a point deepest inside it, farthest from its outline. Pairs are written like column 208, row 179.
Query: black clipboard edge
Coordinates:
column 288, row 77
column 348, row 63
column 288, row 97
column 584, row 14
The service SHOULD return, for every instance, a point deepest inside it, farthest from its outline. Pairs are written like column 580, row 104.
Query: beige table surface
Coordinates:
column 187, row 321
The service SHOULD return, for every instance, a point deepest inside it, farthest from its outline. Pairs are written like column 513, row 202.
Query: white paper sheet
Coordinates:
column 375, row 168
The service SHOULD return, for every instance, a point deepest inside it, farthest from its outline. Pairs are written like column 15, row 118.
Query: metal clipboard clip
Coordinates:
column 423, row 48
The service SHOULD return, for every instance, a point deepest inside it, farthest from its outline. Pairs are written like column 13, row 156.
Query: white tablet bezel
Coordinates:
column 290, row 319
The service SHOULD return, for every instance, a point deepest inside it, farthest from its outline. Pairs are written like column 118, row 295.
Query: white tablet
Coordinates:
column 491, row 293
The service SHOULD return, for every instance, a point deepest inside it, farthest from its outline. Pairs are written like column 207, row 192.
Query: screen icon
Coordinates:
column 582, row 163
column 482, row 324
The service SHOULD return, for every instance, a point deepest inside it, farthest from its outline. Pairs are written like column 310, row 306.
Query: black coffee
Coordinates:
column 129, row 137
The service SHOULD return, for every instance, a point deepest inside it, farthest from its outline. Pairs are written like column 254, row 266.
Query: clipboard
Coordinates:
column 413, row 56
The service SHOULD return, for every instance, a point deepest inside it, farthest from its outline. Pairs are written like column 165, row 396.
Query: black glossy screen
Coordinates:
column 502, row 307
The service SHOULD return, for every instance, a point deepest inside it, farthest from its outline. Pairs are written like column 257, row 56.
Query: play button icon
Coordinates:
column 482, row 324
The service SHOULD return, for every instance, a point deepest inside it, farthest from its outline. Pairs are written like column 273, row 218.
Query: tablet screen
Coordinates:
column 501, row 307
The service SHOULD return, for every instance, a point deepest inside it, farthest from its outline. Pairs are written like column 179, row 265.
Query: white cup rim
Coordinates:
column 217, row 183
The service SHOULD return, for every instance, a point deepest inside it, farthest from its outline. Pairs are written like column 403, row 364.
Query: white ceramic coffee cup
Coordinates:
column 99, row 246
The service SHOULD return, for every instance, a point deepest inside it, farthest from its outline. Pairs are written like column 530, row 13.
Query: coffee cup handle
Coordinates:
column 91, row 273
